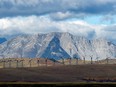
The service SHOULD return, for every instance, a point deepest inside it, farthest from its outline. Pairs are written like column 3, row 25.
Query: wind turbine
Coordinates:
column 70, row 54
column 62, row 60
column 84, row 59
column 91, row 59
column 9, row 62
column 53, row 61
column 22, row 60
column 17, row 61
column 107, row 59
column 70, row 61
column 76, row 60
column 97, row 60
column 0, row 61
column 4, row 61
column 46, row 61
column 30, row 62
column 38, row 61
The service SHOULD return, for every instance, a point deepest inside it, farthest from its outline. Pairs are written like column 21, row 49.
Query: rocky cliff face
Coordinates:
column 57, row 45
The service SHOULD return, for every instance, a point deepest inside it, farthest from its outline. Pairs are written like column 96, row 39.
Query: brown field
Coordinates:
column 64, row 73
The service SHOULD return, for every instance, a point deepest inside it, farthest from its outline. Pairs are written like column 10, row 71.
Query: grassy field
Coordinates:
column 73, row 73
column 27, row 62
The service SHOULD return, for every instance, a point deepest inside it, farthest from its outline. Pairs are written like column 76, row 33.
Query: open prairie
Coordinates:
column 64, row 73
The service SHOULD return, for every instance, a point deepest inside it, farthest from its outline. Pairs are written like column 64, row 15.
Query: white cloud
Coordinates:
column 60, row 15
column 43, row 24
column 34, row 24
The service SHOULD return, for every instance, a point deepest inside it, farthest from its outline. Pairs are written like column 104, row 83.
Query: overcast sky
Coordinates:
column 90, row 18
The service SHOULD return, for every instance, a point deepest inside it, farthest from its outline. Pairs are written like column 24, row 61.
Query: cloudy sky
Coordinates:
column 90, row 18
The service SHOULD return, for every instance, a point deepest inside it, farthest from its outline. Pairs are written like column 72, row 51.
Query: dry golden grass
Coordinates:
column 29, row 62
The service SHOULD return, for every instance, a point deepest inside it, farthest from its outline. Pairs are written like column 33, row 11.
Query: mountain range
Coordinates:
column 57, row 45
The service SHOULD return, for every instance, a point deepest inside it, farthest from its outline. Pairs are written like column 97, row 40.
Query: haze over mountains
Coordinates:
column 57, row 45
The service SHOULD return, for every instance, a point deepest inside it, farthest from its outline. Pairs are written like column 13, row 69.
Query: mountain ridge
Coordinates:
column 56, row 45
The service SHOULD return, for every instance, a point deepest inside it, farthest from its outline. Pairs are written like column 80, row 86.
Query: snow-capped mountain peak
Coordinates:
column 57, row 45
